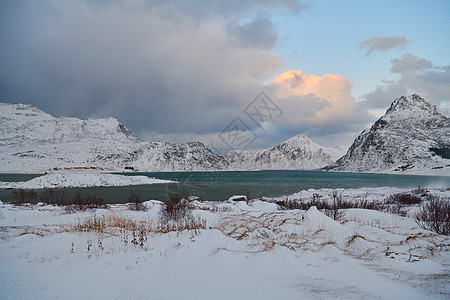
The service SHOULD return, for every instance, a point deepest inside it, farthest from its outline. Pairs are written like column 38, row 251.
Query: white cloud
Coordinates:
column 416, row 75
column 313, row 100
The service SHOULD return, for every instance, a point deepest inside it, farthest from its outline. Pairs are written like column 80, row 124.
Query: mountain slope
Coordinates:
column 31, row 139
column 298, row 152
column 412, row 136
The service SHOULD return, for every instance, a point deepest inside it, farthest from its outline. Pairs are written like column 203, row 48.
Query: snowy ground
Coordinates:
column 238, row 251
column 84, row 179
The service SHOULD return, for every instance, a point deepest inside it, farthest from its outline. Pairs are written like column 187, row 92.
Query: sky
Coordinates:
column 231, row 74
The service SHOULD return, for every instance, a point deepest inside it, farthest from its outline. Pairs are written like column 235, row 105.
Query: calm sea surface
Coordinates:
column 220, row 185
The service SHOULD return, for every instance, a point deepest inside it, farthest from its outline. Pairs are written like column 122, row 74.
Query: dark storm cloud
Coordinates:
column 383, row 43
column 162, row 66
column 258, row 32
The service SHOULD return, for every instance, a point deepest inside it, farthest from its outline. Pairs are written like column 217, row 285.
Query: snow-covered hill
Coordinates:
column 298, row 152
column 413, row 136
column 32, row 140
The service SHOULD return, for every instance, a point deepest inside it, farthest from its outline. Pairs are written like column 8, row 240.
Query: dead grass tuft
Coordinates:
column 190, row 223
column 353, row 238
column 328, row 243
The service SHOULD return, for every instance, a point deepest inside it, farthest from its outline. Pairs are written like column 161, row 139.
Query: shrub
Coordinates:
column 135, row 202
column 420, row 191
column 175, row 208
column 23, row 196
column 54, row 197
column 332, row 210
column 86, row 202
column 337, row 204
column 395, row 204
column 405, row 199
column 176, row 215
column 435, row 215
column 290, row 204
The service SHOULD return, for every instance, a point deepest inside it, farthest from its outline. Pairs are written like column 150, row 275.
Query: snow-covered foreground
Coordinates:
column 237, row 251
column 88, row 179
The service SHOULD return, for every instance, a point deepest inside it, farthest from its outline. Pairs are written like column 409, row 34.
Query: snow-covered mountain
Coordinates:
column 32, row 140
column 297, row 153
column 412, row 136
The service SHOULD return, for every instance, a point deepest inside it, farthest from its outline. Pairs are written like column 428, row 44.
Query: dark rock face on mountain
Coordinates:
column 412, row 136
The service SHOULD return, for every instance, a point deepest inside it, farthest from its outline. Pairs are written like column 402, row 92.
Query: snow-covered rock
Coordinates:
column 296, row 153
column 238, row 198
column 413, row 136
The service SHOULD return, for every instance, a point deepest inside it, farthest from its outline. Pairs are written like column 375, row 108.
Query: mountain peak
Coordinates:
column 298, row 137
column 298, row 152
column 401, row 140
column 413, row 103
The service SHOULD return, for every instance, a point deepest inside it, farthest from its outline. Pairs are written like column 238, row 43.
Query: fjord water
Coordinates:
column 274, row 183
column 220, row 185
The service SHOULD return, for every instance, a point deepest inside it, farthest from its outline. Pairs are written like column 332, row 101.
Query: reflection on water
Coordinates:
column 221, row 185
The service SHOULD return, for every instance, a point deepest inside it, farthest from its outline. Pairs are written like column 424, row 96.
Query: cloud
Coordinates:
column 257, row 32
column 416, row 75
column 380, row 99
column 158, row 66
column 319, row 100
column 383, row 43
column 321, row 107
column 409, row 63
column 317, row 105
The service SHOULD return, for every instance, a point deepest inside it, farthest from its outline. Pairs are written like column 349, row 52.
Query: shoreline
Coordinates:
column 444, row 172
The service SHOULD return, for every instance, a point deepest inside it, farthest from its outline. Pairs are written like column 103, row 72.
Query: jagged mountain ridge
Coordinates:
column 32, row 140
column 298, row 152
column 409, row 137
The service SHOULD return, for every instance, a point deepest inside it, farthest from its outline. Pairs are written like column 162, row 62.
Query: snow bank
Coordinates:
column 63, row 180
column 244, row 251
column 370, row 194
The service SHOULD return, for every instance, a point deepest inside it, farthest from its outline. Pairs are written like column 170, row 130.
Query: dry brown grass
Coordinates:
column 264, row 231
column 328, row 243
column 352, row 239
column 190, row 223
column 41, row 234
column 133, row 231
column 113, row 223
column 410, row 238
